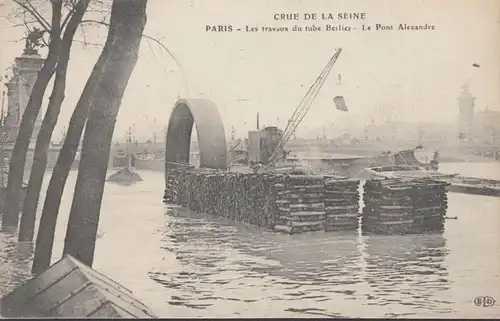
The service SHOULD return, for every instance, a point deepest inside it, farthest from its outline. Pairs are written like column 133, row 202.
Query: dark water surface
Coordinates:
column 185, row 264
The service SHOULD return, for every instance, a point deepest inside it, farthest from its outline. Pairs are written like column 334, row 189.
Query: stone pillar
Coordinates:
column 11, row 119
column 19, row 87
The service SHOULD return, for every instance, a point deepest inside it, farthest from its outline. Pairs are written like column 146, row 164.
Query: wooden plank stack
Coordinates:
column 283, row 202
column 341, row 198
column 430, row 204
column 401, row 206
column 299, row 204
column 171, row 193
column 247, row 198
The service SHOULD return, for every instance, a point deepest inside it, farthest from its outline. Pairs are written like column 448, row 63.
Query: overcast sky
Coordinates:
column 411, row 75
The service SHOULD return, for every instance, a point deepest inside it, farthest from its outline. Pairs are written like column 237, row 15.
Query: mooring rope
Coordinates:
column 179, row 164
column 369, row 165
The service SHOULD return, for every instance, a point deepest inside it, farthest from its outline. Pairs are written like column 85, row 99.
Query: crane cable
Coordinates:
column 306, row 102
column 303, row 107
column 309, row 97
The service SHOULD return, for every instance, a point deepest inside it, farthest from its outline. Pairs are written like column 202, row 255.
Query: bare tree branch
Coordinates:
column 66, row 19
column 84, row 34
column 77, row 12
column 55, row 31
column 33, row 12
column 160, row 44
column 23, row 24
column 30, row 14
column 86, row 43
column 71, row 4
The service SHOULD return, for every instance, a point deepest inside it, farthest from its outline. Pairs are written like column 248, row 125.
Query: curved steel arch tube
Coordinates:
column 210, row 131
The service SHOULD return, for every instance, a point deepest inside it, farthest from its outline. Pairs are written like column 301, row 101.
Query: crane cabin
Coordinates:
column 262, row 144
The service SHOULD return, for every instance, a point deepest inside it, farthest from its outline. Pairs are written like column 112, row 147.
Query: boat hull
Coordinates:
column 475, row 190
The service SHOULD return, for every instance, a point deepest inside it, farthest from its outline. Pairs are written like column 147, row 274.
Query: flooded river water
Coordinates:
column 185, row 264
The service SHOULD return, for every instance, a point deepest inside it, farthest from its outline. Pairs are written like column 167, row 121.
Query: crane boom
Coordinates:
column 305, row 104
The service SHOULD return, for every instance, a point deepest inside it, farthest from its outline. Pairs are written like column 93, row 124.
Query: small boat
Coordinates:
column 418, row 157
column 145, row 157
column 125, row 177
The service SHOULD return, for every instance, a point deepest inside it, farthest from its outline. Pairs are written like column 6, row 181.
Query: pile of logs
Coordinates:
column 170, row 195
column 341, row 198
column 430, row 204
column 400, row 206
column 283, row 202
column 247, row 198
column 299, row 204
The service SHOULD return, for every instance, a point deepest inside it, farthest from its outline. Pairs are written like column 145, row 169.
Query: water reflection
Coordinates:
column 401, row 273
column 15, row 258
column 208, row 252
column 406, row 271
column 215, row 254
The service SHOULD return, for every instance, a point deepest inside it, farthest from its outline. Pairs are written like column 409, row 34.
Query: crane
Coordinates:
column 302, row 109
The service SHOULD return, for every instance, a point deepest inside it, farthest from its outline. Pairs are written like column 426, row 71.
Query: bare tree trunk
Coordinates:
column 10, row 216
column 50, row 212
column 128, row 19
column 28, row 218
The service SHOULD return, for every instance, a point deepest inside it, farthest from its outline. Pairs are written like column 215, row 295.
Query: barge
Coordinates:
column 458, row 184
column 475, row 186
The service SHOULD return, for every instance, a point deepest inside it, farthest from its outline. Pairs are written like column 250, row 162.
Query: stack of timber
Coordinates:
column 299, row 205
column 341, row 198
column 171, row 194
column 247, row 198
column 401, row 206
column 430, row 204
column 278, row 201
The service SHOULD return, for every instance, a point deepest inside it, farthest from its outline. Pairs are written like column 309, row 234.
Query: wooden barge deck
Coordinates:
column 475, row 186
column 458, row 184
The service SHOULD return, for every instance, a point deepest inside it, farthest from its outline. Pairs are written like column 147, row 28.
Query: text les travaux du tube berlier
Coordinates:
column 343, row 16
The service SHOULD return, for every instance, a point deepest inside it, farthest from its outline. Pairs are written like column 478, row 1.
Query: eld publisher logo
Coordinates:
column 484, row 301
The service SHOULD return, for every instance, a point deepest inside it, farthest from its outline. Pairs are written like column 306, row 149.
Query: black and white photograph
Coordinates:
column 250, row 159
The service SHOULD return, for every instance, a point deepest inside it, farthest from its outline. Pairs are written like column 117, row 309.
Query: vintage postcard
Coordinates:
column 250, row 159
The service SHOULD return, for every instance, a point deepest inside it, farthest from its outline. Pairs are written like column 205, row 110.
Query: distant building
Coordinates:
column 411, row 132
column 486, row 127
column 478, row 128
column 466, row 103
